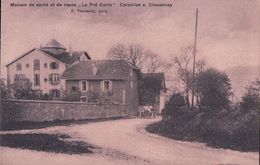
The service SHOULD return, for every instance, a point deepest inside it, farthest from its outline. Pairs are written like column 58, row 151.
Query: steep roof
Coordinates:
column 18, row 58
column 63, row 56
column 54, row 44
column 106, row 69
column 76, row 54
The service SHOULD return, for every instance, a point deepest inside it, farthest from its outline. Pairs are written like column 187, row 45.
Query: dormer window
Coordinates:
column 54, row 65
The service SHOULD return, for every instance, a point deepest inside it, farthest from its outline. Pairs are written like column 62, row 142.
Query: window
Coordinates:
column 107, row 85
column 54, row 79
column 123, row 96
column 36, row 64
column 36, row 79
column 54, row 93
column 18, row 66
column 54, row 65
column 84, row 86
column 27, row 65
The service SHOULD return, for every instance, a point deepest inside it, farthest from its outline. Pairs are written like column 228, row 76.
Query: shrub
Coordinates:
column 5, row 91
column 23, row 90
column 213, row 88
column 45, row 96
column 93, row 96
column 251, row 99
column 73, row 96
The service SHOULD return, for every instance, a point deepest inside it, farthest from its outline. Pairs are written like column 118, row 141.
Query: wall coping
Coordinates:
column 57, row 102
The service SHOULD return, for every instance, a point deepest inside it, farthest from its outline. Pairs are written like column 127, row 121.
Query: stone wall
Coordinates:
column 38, row 111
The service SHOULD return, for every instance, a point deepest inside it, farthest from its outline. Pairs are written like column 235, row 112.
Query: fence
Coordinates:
column 38, row 111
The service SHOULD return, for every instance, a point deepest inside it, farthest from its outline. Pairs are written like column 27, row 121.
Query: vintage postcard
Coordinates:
column 169, row 82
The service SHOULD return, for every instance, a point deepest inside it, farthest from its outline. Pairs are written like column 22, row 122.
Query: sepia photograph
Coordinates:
column 139, row 82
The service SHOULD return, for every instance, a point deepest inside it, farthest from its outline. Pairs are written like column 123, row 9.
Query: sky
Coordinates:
column 228, row 30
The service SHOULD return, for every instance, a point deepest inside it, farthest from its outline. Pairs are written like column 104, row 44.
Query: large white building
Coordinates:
column 43, row 67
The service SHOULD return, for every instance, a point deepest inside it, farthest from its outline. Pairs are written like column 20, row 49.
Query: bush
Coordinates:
column 251, row 99
column 234, row 128
column 73, row 96
column 5, row 91
column 93, row 96
column 213, row 88
column 45, row 96
column 23, row 90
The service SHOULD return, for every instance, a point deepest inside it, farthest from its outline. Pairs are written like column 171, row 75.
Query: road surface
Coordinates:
column 125, row 142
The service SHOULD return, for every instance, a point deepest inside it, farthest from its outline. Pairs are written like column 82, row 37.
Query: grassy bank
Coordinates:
column 57, row 143
column 230, row 129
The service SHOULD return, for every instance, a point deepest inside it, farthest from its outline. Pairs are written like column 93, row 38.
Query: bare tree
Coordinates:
column 147, row 61
column 132, row 53
column 201, row 66
column 183, row 65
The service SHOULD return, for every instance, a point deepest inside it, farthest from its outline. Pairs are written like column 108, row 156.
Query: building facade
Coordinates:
column 116, row 81
column 43, row 67
column 152, row 90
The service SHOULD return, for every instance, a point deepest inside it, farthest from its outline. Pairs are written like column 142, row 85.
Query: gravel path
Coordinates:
column 126, row 142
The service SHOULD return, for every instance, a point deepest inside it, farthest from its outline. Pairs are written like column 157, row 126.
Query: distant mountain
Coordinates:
column 241, row 76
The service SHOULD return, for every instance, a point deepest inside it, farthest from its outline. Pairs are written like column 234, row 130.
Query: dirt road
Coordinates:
column 126, row 142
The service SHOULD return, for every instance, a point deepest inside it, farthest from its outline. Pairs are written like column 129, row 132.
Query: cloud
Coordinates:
column 226, row 30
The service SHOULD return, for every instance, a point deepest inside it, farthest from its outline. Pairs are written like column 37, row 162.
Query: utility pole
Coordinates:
column 194, row 60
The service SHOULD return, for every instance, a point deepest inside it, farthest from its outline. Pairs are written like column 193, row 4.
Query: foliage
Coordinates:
column 224, row 128
column 23, row 90
column 183, row 65
column 147, row 61
column 73, row 95
column 251, row 99
column 213, row 88
column 229, row 127
column 93, row 96
column 45, row 96
column 4, row 89
column 106, row 97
